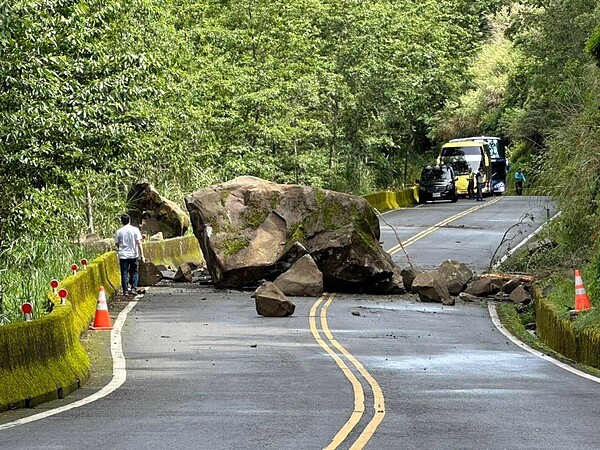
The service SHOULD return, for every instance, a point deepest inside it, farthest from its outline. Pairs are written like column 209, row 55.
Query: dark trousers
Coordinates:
column 519, row 186
column 129, row 274
column 479, row 191
column 470, row 192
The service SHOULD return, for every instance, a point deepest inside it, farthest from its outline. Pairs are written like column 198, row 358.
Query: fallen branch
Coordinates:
column 397, row 237
column 523, row 278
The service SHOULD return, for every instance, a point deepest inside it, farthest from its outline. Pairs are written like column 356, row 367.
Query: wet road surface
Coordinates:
column 205, row 371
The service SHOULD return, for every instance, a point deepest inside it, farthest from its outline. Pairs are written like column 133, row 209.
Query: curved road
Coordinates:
column 204, row 371
column 468, row 231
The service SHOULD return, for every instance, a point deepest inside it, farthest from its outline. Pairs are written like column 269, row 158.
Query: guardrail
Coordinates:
column 561, row 336
column 43, row 359
column 389, row 200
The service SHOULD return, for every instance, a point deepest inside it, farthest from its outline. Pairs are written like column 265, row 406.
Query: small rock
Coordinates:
column 408, row 276
column 430, row 287
column 455, row 274
column 302, row 279
column 482, row 287
column 468, row 297
column 520, row 295
column 271, row 302
column 184, row 273
column 510, row 285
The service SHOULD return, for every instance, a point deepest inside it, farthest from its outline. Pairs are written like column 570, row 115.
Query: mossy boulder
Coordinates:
column 154, row 213
column 250, row 230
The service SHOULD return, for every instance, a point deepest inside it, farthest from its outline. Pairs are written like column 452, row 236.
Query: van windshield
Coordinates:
column 461, row 151
column 435, row 175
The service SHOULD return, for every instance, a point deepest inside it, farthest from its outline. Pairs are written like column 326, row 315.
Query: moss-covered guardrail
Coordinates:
column 44, row 359
column 173, row 252
column 561, row 336
column 388, row 200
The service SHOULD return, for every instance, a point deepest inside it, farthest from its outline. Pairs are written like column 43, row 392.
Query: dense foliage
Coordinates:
column 536, row 83
column 189, row 92
column 97, row 94
column 349, row 95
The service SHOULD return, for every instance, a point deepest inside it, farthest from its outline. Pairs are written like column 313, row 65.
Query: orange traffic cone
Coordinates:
column 582, row 301
column 102, row 319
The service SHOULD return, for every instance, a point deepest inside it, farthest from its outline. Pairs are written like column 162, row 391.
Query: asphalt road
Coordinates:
column 204, row 371
column 476, row 233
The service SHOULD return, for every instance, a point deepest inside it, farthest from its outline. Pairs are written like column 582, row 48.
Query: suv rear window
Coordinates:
column 436, row 175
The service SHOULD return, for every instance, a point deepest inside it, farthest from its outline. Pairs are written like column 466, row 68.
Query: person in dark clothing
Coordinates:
column 479, row 181
column 519, row 180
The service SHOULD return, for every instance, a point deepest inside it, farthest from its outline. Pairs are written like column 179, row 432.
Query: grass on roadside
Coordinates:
column 27, row 272
column 515, row 324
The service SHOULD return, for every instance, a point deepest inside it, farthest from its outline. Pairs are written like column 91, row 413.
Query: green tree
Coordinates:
column 72, row 74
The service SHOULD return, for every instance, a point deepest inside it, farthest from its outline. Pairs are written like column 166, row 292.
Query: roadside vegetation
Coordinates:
column 535, row 83
column 352, row 96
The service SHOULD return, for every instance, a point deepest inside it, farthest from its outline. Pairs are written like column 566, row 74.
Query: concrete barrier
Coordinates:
column 389, row 200
column 173, row 252
column 561, row 336
column 44, row 359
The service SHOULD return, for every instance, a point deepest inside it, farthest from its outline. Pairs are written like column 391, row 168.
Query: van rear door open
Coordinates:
column 461, row 156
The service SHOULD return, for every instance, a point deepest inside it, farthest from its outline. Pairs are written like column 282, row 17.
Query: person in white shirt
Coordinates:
column 128, row 240
column 479, row 181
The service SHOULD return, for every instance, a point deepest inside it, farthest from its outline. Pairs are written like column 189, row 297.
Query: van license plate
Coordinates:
column 436, row 194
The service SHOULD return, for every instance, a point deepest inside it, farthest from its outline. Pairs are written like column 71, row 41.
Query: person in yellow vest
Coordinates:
column 470, row 184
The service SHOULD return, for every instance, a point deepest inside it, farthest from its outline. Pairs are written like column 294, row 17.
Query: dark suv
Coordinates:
column 437, row 183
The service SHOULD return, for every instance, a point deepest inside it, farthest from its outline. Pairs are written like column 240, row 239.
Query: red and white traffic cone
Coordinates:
column 582, row 301
column 102, row 319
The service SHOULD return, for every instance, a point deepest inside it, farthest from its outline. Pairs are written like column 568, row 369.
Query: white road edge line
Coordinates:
column 496, row 320
column 519, row 343
column 524, row 241
column 118, row 378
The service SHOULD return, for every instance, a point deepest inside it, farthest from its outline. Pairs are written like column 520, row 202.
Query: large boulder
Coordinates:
column 271, row 302
column 431, row 288
column 303, row 279
column 455, row 274
column 155, row 214
column 251, row 229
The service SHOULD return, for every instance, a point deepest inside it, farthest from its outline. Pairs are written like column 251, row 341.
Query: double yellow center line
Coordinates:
column 341, row 356
column 438, row 225
column 359, row 396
